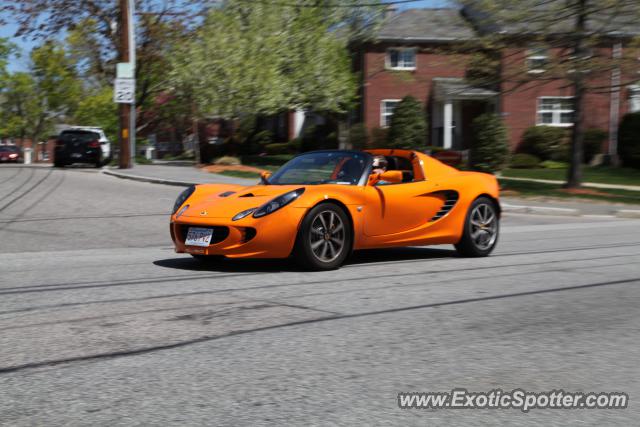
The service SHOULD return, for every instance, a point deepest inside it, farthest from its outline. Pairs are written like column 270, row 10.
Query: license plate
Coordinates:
column 199, row 236
column 76, row 155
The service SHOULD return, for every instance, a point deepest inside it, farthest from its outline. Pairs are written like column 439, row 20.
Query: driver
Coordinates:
column 380, row 165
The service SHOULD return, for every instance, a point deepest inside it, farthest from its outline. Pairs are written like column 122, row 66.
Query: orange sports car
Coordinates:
column 322, row 205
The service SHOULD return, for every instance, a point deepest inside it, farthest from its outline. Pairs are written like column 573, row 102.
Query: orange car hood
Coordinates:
column 215, row 206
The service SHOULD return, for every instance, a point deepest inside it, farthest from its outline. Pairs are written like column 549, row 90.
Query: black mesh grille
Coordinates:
column 451, row 198
column 219, row 233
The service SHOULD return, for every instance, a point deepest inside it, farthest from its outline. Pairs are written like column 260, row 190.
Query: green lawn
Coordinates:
column 525, row 188
column 240, row 174
column 599, row 174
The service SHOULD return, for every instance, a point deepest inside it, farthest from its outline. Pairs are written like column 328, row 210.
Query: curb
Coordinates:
column 584, row 184
column 628, row 213
column 147, row 179
column 540, row 210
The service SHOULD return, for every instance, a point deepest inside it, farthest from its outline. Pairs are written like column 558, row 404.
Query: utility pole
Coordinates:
column 125, row 109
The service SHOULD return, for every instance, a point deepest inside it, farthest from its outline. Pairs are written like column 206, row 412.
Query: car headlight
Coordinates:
column 243, row 214
column 183, row 198
column 277, row 203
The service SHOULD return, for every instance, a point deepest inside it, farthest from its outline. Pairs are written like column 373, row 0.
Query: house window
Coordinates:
column 555, row 111
column 634, row 99
column 401, row 59
column 537, row 59
column 386, row 111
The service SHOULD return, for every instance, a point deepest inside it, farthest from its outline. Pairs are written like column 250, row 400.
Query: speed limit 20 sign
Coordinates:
column 124, row 91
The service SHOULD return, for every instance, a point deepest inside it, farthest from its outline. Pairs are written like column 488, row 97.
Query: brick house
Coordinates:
column 412, row 54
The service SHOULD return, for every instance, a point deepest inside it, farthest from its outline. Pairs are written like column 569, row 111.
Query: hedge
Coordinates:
column 491, row 148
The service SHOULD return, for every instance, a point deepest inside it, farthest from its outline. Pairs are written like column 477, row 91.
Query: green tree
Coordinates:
column 6, row 50
column 261, row 57
column 408, row 127
column 98, row 109
column 20, row 105
column 34, row 101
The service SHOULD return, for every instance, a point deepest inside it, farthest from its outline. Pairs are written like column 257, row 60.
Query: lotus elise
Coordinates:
column 322, row 205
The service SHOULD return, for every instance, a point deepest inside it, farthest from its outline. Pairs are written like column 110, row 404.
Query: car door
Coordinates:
column 397, row 208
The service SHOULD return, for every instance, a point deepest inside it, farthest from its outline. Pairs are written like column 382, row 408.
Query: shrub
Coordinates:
column 593, row 140
column 408, row 126
column 524, row 161
column 295, row 144
column 275, row 160
column 551, row 164
column 358, row 136
column 264, row 137
column 545, row 142
column 278, row 148
column 432, row 149
column 490, row 150
column 227, row 160
column 309, row 140
column 629, row 140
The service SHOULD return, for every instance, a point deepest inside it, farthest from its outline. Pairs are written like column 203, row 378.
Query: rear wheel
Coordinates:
column 324, row 239
column 481, row 229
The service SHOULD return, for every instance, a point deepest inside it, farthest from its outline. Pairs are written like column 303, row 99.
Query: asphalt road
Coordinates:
column 101, row 323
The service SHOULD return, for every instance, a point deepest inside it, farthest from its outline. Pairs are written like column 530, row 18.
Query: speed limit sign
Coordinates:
column 124, row 91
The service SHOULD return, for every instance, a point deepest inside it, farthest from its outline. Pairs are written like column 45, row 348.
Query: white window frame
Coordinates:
column 384, row 116
column 557, row 113
column 534, row 55
column 387, row 60
column 634, row 98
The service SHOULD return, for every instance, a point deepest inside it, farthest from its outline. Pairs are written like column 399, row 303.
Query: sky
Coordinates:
column 17, row 64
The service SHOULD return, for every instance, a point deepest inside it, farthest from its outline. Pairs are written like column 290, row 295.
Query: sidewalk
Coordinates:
column 185, row 176
column 584, row 184
column 174, row 175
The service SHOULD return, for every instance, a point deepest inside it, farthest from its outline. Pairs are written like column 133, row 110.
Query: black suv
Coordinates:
column 78, row 146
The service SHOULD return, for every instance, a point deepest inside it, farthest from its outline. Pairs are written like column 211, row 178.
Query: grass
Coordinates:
column 527, row 188
column 599, row 174
column 239, row 174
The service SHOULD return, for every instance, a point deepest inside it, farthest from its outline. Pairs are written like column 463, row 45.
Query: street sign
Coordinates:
column 124, row 91
column 124, row 70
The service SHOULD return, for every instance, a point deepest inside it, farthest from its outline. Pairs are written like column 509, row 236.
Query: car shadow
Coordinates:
column 362, row 257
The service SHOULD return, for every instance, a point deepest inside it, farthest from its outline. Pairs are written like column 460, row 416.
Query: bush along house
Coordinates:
column 429, row 54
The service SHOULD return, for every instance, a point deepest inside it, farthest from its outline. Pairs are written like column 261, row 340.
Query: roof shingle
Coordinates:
column 426, row 25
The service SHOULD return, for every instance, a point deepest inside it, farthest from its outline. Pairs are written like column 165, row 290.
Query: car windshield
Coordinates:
column 323, row 167
column 8, row 149
column 79, row 136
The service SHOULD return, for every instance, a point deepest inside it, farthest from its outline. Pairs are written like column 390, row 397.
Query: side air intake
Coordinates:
column 451, row 198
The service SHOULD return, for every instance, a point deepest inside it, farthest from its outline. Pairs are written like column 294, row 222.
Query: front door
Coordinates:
column 392, row 209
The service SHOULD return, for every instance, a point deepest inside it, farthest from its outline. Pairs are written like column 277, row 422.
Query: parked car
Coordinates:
column 10, row 154
column 82, row 145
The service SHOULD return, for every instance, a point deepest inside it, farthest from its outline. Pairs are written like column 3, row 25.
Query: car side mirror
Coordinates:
column 264, row 177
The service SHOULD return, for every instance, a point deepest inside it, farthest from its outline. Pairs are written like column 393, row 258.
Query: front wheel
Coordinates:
column 481, row 229
column 324, row 239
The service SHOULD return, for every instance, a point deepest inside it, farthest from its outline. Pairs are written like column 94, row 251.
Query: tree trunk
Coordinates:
column 574, row 179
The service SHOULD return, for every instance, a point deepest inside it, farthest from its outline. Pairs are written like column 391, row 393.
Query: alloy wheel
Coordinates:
column 484, row 226
column 327, row 236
